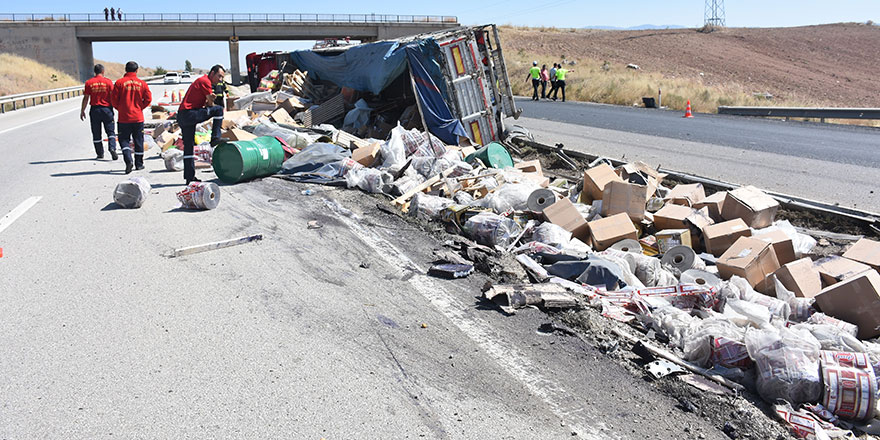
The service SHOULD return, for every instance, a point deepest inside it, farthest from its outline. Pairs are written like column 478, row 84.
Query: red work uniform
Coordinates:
column 197, row 94
column 130, row 97
column 99, row 90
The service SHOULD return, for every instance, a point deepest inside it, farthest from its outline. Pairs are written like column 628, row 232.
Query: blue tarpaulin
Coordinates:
column 437, row 115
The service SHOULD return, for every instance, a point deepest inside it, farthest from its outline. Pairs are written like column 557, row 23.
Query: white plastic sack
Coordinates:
column 833, row 338
column 131, row 193
column 393, row 150
column 788, row 364
column 370, row 180
column 173, row 159
column 512, row 196
column 551, row 234
column 149, row 142
column 427, row 206
column 357, row 117
column 698, row 344
column 674, row 322
column 777, row 307
column 801, row 308
column 649, row 270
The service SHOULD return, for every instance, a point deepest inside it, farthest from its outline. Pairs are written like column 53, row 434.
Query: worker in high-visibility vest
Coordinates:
column 560, row 82
column 535, row 76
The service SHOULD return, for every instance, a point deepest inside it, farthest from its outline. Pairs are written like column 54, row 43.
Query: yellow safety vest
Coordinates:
column 536, row 72
column 560, row 74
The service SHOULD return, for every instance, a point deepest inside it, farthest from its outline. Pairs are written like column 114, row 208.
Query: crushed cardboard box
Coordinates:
column 687, row 195
column 752, row 205
column 672, row 217
column 835, row 269
column 782, row 245
column 714, row 204
column 237, row 134
column 367, row 155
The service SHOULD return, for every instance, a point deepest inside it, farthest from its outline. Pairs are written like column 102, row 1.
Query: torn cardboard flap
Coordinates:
column 719, row 237
column 855, row 300
column 782, row 245
column 752, row 205
column 367, row 155
column 749, row 258
column 714, row 204
column 609, row 230
column 865, row 251
column 281, row 116
column 801, row 277
column 595, row 180
column 237, row 134
column 628, row 198
column 687, row 195
column 531, row 166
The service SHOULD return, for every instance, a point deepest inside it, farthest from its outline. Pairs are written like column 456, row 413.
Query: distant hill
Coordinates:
column 642, row 27
column 21, row 75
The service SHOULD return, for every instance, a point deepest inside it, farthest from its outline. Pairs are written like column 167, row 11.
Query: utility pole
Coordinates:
column 714, row 15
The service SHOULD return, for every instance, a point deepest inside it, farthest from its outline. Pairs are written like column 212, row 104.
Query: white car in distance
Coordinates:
column 172, row 78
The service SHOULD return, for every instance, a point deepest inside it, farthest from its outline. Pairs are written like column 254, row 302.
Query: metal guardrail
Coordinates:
column 46, row 96
column 232, row 17
column 803, row 112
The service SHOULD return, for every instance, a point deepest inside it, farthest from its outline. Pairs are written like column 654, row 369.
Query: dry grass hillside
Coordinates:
column 21, row 75
column 833, row 64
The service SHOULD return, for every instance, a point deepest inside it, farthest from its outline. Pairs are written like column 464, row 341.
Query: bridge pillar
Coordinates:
column 234, row 66
column 85, row 59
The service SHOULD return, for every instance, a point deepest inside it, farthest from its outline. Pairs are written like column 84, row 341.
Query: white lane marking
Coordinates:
column 516, row 364
column 37, row 121
column 18, row 211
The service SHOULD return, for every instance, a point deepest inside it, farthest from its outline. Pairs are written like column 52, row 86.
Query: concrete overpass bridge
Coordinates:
column 64, row 41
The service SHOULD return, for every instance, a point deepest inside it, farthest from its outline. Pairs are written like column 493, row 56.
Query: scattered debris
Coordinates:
column 313, row 224
column 214, row 246
column 451, row 271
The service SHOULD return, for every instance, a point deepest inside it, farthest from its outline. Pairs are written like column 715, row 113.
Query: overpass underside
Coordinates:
column 68, row 45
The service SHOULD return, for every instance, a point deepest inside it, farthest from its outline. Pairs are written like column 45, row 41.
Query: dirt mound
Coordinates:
column 832, row 64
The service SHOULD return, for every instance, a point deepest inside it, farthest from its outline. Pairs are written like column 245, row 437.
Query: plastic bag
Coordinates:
column 246, row 100
column 293, row 138
column 491, row 229
column 513, row 196
column 393, row 150
column 717, row 341
column 746, row 314
column 149, row 143
column 357, row 117
column 821, row 318
column 422, row 144
column 788, row 364
column 833, row 338
column 173, row 159
column 131, row 193
column 575, row 245
column 427, row 206
column 803, row 244
column 777, row 307
column 801, row 308
column 628, row 276
column 674, row 322
column 549, row 233
column 370, row 180
column 649, row 270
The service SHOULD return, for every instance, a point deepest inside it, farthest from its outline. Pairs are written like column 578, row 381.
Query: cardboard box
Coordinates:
column 801, row 277
column 687, row 195
column 749, row 258
column 293, row 105
column 865, row 251
column 563, row 213
column 367, row 155
column 782, row 245
column 752, row 205
column 531, row 166
column 609, row 230
column 237, row 134
column 672, row 217
column 166, row 139
column 835, row 269
column 282, row 117
column 230, row 117
column 622, row 197
column 468, row 150
column 856, row 301
column 230, row 102
column 714, row 204
column 719, row 237
column 161, row 116
column 595, row 180
column 670, row 238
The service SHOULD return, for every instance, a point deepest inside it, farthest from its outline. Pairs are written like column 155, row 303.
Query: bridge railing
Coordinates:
column 803, row 112
column 21, row 100
column 231, row 17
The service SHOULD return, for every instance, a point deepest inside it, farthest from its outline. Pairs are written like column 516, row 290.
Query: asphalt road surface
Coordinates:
column 824, row 162
column 330, row 333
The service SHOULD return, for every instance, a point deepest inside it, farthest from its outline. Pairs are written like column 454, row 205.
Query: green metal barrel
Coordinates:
column 493, row 155
column 237, row 161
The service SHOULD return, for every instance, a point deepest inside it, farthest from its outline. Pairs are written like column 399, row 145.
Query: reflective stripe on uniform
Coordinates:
column 126, row 148
column 97, row 141
column 189, row 157
column 139, row 154
column 218, row 117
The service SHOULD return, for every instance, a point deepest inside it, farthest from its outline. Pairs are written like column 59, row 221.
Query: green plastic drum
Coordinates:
column 493, row 155
column 237, row 161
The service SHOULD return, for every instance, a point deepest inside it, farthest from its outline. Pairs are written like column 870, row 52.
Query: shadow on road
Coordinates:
column 47, row 162
column 112, row 206
column 90, row 173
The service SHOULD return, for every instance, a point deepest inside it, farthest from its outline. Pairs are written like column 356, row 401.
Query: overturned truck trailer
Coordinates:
column 457, row 78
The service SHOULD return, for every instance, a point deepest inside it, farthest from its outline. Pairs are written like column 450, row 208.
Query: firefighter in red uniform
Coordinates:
column 198, row 106
column 130, row 97
column 97, row 92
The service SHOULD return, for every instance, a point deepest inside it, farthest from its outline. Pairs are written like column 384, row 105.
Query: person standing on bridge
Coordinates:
column 131, row 96
column 119, row 14
column 98, row 91
column 198, row 106
column 113, row 14
column 535, row 75
column 106, row 14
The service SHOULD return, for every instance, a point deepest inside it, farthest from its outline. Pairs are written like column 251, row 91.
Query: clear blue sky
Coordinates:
column 559, row 13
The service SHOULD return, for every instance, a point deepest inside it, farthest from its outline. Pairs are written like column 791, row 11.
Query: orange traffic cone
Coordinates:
column 166, row 93
column 687, row 111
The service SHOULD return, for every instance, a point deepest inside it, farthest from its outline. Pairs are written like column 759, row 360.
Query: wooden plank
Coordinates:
column 425, row 185
column 215, row 245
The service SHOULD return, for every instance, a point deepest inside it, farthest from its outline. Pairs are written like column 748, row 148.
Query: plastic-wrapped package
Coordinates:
column 173, row 159
column 513, row 196
column 422, row 144
column 833, row 338
column 821, row 318
column 674, row 322
column 407, row 183
column 549, row 233
column 649, row 270
column 744, row 313
column 777, row 307
column 370, row 180
column 393, row 150
column 463, row 198
column 802, row 243
column 131, row 193
column 628, row 276
column 788, row 364
column 356, row 117
column 801, row 308
column 246, row 100
column 717, row 341
column 575, row 245
column 429, row 167
column 149, row 143
column 427, row 206
column 491, row 229
column 293, row 138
